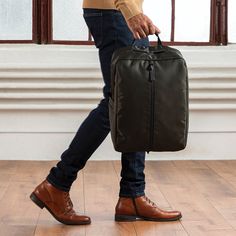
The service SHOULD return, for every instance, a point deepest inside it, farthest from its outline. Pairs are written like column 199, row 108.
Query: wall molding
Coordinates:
column 68, row 78
column 47, row 90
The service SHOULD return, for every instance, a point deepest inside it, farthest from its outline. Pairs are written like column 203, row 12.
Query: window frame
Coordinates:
column 42, row 26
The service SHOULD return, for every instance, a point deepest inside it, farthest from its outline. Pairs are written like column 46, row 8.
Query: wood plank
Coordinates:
column 153, row 192
column 199, row 215
column 207, row 180
column 15, row 202
column 198, row 228
column 4, row 183
column 224, row 168
column 101, row 195
column 16, row 208
column 225, row 205
column 201, row 186
column 19, row 230
column 31, row 171
column 7, row 169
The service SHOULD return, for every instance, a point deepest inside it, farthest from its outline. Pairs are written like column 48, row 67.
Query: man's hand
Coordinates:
column 141, row 26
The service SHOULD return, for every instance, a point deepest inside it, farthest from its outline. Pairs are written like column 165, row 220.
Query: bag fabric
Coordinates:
column 149, row 105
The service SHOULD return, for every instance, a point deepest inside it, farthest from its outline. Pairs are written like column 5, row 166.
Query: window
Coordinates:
column 174, row 26
column 182, row 22
column 197, row 14
column 161, row 16
column 190, row 22
column 16, row 20
column 68, row 23
column 232, row 21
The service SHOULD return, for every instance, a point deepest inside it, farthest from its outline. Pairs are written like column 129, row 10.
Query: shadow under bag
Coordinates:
column 148, row 104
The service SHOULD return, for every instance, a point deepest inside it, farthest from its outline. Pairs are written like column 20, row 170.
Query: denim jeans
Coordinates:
column 110, row 32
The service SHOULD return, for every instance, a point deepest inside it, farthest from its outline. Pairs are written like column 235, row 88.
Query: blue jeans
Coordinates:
column 110, row 32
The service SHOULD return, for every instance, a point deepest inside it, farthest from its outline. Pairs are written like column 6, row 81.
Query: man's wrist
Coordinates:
column 129, row 13
column 128, row 8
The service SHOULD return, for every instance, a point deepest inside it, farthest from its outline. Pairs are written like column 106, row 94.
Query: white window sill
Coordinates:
column 48, row 55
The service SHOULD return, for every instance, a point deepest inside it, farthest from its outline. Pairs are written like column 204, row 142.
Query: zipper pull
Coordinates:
column 150, row 68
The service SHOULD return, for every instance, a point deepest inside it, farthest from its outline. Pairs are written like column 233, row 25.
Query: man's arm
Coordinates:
column 140, row 24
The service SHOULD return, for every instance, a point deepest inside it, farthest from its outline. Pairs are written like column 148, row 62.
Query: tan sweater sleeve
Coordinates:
column 128, row 8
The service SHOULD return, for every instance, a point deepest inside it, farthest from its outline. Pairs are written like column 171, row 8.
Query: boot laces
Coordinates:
column 150, row 202
column 68, row 200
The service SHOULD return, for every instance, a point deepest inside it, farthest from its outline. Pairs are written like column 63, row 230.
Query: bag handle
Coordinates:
column 159, row 43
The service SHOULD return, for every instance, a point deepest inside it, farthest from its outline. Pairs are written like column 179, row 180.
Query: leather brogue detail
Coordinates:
column 58, row 203
column 131, row 209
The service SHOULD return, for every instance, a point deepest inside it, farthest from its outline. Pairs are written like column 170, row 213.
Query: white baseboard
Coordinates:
column 49, row 146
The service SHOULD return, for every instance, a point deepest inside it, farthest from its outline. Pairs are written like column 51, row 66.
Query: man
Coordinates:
column 113, row 24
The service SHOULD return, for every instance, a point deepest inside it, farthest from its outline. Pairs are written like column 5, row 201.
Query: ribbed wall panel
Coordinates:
column 61, row 77
column 54, row 88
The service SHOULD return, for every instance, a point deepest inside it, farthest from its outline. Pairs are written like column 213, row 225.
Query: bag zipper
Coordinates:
column 152, row 81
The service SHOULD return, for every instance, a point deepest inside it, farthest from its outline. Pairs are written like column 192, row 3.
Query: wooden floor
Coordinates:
column 204, row 191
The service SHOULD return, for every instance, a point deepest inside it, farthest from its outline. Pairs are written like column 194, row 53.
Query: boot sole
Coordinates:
column 40, row 204
column 126, row 218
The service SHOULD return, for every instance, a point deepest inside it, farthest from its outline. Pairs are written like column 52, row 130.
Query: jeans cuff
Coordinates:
column 49, row 179
column 131, row 194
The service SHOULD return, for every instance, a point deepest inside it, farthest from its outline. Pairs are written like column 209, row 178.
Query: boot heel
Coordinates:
column 125, row 218
column 36, row 200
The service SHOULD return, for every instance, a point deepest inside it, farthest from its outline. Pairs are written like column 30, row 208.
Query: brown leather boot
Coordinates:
column 58, row 203
column 131, row 209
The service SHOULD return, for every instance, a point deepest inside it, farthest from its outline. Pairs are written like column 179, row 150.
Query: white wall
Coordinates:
column 47, row 90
